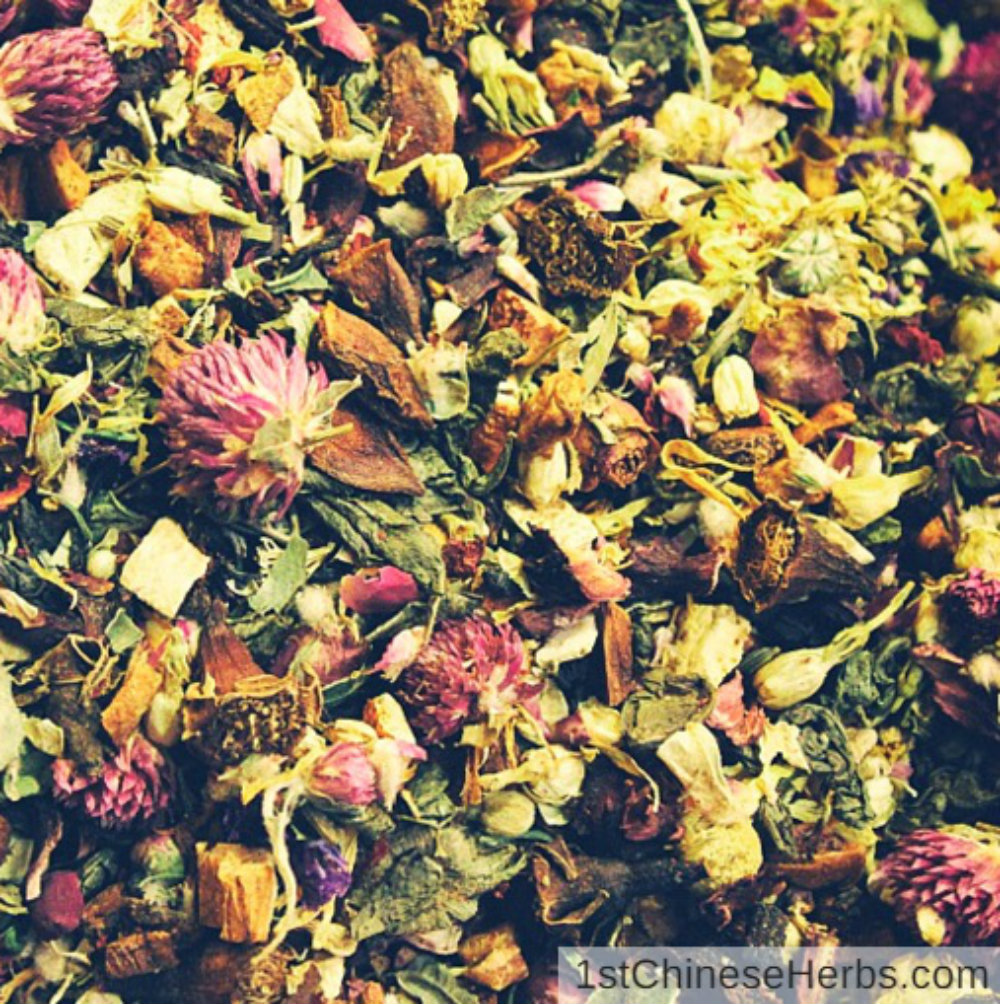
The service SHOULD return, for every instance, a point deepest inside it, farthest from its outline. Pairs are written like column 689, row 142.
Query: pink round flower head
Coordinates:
column 22, row 306
column 129, row 789
column 241, row 421
column 947, row 883
column 69, row 11
column 470, row 671
column 345, row 774
column 53, row 83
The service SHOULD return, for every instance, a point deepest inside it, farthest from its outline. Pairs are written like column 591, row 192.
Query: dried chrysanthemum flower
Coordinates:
column 241, row 421
column 322, row 871
column 53, row 83
column 946, row 883
column 470, row 671
column 129, row 789
column 22, row 306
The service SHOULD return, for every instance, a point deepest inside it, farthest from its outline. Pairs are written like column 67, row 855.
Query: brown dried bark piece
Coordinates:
column 575, row 248
column 58, row 182
column 211, row 135
column 368, row 457
column 359, row 349
column 383, row 291
column 168, row 353
column 168, row 262
column 616, row 640
column 842, row 866
column 224, row 657
column 14, row 185
column 140, row 954
column 237, row 891
column 422, row 118
column 534, row 325
column 103, row 914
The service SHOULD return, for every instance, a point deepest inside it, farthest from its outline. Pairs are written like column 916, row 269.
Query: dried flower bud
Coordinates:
column 733, row 389
column 22, row 307
column 976, row 332
column 53, row 83
column 508, row 813
column 322, row 871
column 344, row 774
column 378, row 590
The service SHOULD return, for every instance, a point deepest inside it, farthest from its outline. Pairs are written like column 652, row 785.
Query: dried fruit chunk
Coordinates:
column 164, row 567
column 237, row 891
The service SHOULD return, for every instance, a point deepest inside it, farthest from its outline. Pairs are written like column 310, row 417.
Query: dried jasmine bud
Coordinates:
column 782, row 558
column 575, row 248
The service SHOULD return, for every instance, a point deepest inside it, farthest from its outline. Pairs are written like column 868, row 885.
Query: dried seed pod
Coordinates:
column 754, row 447
column 783, row 558
column 575, row 248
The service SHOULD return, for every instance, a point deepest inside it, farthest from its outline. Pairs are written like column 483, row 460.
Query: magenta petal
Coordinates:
column 340, row 31
column 378, row 591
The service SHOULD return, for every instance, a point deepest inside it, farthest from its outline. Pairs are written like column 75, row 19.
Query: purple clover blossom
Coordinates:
column 322, row 872
column 53, row 83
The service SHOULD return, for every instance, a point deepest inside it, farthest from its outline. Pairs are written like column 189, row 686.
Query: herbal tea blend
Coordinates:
column 481, row 476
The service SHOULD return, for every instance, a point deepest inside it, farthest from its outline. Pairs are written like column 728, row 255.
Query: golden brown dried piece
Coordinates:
column 489, row 439
column 264, row 980
column 260, row 94
column 224, row 657
column 14, row 184
column 58, row 183
column 574, row 88
column 814, row 163
column 535, row 326
column 358, row 349
column 754, row 447
column 143, row 679
column 423, row 120
column 382, row 290
column 167, row 261
column 367, row 456
column 616, row 639
column 782, row 558
column 496, row 155
column 494, row 958
column 140, row 954
column 103, row 914
column 553, row 413
column 841, row 866
column 575, row 248
column 210, row 135
column 237, row 891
